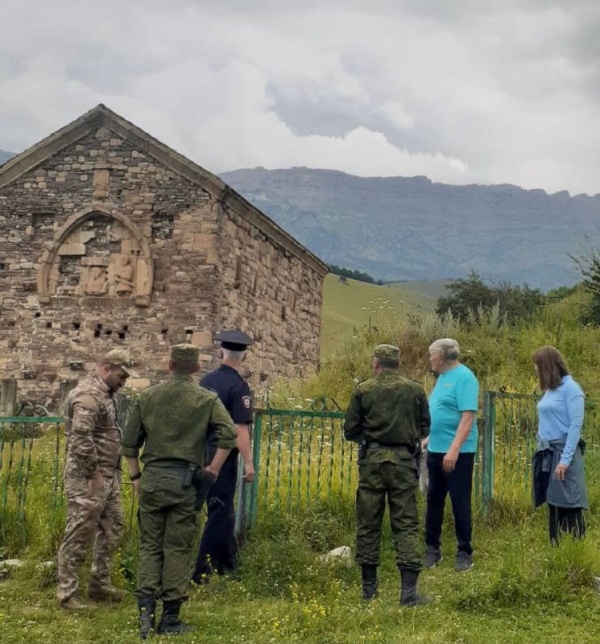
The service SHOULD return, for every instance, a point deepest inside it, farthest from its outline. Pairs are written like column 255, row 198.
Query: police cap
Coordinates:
column 234, row 340
column 185, row 354
column 387, row 352
column 120, row 358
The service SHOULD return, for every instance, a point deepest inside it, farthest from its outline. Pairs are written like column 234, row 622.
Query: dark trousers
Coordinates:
column 565, row 520
column 458, row 484
column 218, row 547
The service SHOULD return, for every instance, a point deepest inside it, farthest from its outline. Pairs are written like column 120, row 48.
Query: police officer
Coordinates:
column 170, row 421
column 218, row 547
column 388, row 415
column 92, row 481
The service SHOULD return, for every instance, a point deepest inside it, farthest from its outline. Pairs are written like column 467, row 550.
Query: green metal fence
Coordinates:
column 30, row 449
column 300, row 458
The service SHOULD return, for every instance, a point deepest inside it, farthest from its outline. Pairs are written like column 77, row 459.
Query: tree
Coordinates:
column 589, row 267
column 470, row 298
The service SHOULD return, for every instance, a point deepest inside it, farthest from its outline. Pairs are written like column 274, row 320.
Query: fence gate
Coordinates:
column 300, row 456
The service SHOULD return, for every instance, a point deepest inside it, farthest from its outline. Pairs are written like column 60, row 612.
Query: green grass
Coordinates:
column 354, row 306
column 520, row 590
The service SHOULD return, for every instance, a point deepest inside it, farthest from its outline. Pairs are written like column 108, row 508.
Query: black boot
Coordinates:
column 170, row 624
column 369, row 581
column 147, row 608
column 408, row 592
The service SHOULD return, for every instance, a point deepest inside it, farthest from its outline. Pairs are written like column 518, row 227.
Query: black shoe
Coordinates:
column 170, row 624
column 432, row 558
column 147, row 609
column 369, row 581
column 464, row 561
column 408, row 591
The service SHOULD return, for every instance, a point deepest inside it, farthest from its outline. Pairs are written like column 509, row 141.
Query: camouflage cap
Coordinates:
column 387, row 352
column 120, row 358
column 185, row 353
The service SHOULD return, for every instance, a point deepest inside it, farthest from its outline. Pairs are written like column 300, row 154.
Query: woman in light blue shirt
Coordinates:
column 559, row 477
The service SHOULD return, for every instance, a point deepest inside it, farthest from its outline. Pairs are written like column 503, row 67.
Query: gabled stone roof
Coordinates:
column 101, row 116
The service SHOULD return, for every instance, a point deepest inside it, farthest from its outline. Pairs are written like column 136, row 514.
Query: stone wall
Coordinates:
column 102, row 245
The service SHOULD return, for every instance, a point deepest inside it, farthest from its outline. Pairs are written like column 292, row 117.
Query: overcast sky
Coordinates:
column 465, row 91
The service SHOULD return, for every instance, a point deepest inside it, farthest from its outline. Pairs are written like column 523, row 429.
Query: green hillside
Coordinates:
column 430, row 288
column 353, row 305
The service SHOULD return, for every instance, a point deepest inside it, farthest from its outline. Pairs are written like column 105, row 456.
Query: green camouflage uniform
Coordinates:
column 391, row 413
column 93, row 438
column 170, row 421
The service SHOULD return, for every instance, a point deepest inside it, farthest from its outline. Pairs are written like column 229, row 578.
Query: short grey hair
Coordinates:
column 236, row 356
column 447, row 347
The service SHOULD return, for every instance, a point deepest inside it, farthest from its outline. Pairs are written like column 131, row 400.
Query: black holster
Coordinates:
column 201, row 480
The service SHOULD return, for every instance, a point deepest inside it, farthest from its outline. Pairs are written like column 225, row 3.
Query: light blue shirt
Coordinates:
column 560, row 413
column 455, row 391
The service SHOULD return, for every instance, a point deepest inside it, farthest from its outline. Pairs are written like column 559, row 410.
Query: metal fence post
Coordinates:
column 251, row 491
column 489, row 427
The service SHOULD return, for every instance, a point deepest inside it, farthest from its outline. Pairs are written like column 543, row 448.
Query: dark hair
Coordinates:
column 551, row 367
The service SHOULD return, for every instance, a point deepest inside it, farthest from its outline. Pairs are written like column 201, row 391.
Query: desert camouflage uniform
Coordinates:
column 93, row 440
column 391, row 413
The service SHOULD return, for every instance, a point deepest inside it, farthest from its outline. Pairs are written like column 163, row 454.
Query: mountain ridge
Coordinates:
column 398, row 228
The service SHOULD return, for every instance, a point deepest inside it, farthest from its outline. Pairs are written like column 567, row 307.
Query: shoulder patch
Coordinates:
column 246, row 402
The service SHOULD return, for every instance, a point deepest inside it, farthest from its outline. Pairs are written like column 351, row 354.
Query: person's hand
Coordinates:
column 425, row 443
column 248, row 472
column 449, row 462
column 212, row 472
column 560, row 472
column 96, row 483
column 136, row 487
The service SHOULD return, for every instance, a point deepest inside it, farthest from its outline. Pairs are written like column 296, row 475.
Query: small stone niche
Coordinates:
column 162, row 225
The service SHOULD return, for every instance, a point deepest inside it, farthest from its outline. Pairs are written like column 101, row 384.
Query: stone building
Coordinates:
column 110, row 238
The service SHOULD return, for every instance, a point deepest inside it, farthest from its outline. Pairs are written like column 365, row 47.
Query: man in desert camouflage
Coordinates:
column 388, row 416
column 92, row 482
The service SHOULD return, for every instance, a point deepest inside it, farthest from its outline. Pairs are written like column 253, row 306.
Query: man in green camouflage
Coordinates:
column 170, row 422
column 92, row 482
column 388, row 416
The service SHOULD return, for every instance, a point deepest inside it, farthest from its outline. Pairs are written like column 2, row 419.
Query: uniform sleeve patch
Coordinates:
column 246, row 402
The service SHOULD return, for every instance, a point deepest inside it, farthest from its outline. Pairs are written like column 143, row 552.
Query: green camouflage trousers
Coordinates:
column 398, row 483
column 91, row 518
column 167, row 528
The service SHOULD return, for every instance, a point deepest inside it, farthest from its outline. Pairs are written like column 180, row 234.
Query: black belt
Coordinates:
column 390, row 445
column 169, row 465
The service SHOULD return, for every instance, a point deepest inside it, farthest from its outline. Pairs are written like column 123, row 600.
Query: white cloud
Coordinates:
column 461, row 92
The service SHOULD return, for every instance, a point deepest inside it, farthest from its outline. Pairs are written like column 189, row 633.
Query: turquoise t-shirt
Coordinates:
column 455, row 391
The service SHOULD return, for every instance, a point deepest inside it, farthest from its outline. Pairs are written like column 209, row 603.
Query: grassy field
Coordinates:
column 520, row 591
column 350, row 307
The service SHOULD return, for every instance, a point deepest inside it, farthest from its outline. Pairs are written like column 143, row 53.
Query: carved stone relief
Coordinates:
column 99, row 255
